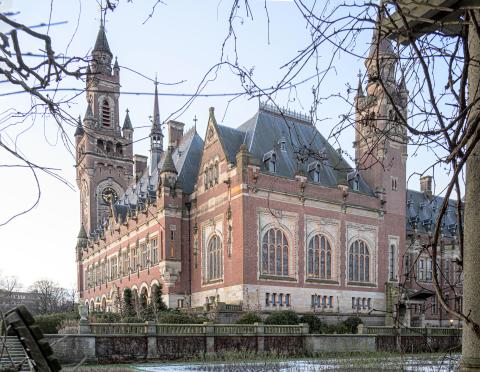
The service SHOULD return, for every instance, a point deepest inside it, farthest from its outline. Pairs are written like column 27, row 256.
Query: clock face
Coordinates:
column 109, row 195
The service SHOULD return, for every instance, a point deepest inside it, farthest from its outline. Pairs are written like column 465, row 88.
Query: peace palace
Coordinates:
column 263, row 216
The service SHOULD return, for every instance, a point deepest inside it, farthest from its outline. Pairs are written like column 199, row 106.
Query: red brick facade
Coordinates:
column 245, row 233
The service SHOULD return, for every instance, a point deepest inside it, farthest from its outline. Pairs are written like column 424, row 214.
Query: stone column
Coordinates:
column 360, row 329
column 209, row 331
column 471, row 256
column 152, row 351
column 260, row 337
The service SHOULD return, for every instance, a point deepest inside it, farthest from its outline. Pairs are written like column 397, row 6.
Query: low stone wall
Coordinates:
column 71, row 349
column 315, row 344
column 419, row 344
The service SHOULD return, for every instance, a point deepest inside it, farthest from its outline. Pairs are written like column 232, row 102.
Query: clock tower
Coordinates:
column 104, row 154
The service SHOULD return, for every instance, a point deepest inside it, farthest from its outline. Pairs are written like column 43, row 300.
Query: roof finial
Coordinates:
column 359, row 88
column 195, row 122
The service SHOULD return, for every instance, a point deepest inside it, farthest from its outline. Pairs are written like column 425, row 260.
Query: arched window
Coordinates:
column 215, row 172
column 275, row 253
column 105, row 113
column 214, row 259
column 119, row 149
column 109, row 147
column 359, row 262
column 319, row 257
column 205, row 178
column 100, row 146
column 315, row 173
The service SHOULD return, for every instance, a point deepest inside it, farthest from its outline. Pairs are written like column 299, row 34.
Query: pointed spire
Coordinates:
column 101, row 44
column 379, row 37
column 359, row 88
column 211, row 116
column 82, row 238
column 115, row 65
column 156, row 110
column 79, row 131
column 127, row 124
column 168, row 164
column 89, row 112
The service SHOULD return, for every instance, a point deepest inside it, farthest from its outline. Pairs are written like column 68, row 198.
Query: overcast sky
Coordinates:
column 180, row 43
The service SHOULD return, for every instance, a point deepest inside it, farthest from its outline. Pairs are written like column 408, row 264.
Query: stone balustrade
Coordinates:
column 410, row 331
column 191, row 329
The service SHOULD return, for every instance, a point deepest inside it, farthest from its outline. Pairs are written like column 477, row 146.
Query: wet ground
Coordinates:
column 424, row 363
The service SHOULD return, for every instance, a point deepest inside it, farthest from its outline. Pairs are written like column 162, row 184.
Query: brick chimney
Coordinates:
column 175, row 132
column 426, row 185
column 139, row 166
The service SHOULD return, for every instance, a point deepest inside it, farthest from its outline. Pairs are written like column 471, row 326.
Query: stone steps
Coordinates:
column 14, row 349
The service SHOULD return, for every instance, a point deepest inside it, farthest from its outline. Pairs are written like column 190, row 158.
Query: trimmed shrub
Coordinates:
column 249, row 318
column 315, row 325
column 176, row 317
column 157, row 301
column 100, row 317
column 282, row 318
column 351, row 324
column 49, row 323
column 131, row 319
column 128, row 306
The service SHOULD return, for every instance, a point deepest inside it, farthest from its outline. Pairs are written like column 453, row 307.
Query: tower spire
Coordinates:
column 156, row 135
column 156, row 110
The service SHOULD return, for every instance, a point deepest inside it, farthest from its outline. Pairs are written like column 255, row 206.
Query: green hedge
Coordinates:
column 177, row 317
column 285, row 317
column 50, row 322
column 249, row 318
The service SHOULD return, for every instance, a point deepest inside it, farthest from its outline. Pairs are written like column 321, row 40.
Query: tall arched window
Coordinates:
column 275, row 253
column 214, row 259
column 319, row 257
column 359, row 262
column 215, row 172
column 105, row 113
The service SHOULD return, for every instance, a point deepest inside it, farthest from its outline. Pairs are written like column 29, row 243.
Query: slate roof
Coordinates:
column 422, row 213
column 264, row 132
column 101, row 44
column 186, row 159
column 127, row 124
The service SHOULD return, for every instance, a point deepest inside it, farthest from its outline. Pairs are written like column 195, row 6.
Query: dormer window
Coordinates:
column 314, row 171
column 270, row 160
column 356, row 184
column 105, row 113
column 282, row 144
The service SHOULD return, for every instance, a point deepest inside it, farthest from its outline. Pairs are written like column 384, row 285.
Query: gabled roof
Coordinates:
column 187, row 157
column 231, row 140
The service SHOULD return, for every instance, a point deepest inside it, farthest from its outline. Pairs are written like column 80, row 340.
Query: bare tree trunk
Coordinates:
column 471, row 257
